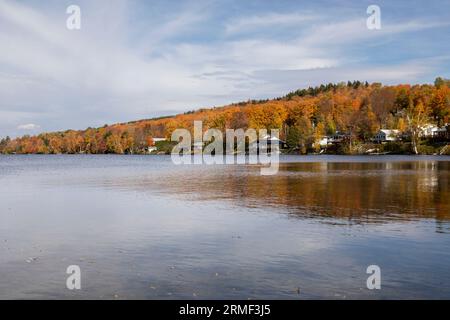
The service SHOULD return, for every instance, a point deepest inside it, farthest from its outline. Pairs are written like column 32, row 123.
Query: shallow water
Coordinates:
column 141, row 228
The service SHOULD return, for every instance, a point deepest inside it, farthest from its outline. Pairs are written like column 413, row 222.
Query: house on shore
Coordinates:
column 337, row 137
column 385, row 135
column 154, row 148
column 332, row 139
column 433, row 131
column 322, row 143
column 270, row 141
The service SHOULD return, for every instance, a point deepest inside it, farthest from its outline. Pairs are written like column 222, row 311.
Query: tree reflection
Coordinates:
column 363, row 192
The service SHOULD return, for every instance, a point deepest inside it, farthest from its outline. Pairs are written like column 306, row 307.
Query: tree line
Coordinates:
column 358, row 109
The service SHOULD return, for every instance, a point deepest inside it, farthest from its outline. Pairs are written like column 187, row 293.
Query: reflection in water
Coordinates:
column 371, row 192
column 140, row 227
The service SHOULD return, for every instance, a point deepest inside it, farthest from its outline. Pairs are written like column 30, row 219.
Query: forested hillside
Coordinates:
column 303, row 117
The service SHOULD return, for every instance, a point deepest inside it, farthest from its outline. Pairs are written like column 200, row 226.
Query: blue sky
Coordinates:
column 139, row 59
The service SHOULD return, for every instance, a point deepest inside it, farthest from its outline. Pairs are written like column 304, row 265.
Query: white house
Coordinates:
column 337, row 137
column 270, row 141
column 431, row 130
column 153, row 148
column 323, row 142
column 385, row 135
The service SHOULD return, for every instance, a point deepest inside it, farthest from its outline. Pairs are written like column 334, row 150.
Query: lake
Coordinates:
column 140, row 227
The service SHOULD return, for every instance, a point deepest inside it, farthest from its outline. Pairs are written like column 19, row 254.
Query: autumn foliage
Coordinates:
column 303, row 117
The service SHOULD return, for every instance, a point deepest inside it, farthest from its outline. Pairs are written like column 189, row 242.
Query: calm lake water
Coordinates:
column 140, row 227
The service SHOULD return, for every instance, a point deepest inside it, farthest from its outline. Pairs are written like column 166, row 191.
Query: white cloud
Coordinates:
column 355, row 30
column 29, row 126
column 262, row 22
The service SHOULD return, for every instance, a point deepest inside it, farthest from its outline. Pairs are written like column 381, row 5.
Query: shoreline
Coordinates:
column 309, row 155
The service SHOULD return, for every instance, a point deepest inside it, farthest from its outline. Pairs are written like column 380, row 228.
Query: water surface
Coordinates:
column 141, row 228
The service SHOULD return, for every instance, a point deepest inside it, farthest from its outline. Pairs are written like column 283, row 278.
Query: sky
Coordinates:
column 138, row 59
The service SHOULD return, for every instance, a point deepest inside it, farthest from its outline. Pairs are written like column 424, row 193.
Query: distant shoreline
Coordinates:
column 342, row 118
column 281, row 155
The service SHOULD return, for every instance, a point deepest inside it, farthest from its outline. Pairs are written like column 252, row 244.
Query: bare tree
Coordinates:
column 417, row 118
